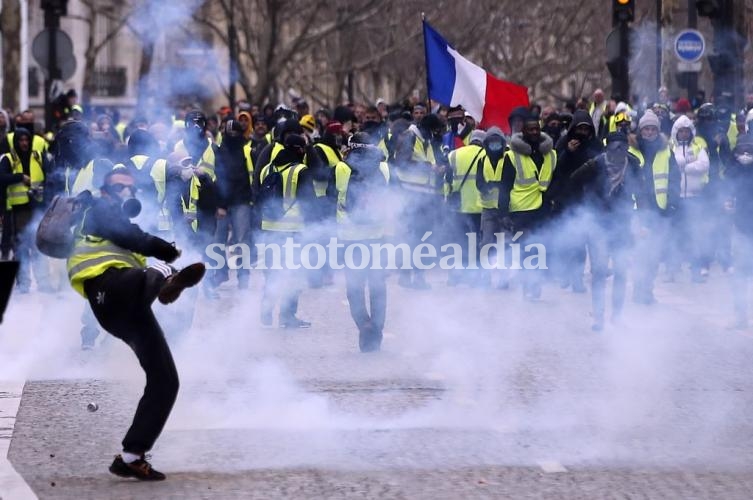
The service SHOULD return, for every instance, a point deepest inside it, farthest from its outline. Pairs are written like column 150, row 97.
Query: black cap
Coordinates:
column 616, row 137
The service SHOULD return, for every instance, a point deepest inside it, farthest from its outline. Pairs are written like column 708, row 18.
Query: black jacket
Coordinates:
column 233, row 182
column 105, row 219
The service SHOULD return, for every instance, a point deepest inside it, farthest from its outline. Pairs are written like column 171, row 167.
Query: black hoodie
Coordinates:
column 561, row 191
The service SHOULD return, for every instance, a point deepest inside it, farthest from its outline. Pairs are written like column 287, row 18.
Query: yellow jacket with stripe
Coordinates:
column 106, row 239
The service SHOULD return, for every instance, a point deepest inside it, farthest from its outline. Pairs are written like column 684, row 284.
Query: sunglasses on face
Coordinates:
column 120, row 187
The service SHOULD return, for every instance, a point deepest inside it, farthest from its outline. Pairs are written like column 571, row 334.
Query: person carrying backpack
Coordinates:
column 362, row 182
column 286, row 191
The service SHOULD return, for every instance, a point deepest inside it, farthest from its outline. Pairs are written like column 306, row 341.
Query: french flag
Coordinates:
column 453, row 80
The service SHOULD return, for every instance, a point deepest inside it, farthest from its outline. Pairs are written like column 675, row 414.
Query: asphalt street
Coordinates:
column 476, row 394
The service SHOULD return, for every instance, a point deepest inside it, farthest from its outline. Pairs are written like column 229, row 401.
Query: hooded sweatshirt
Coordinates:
column 568, row 161
column 692, row 159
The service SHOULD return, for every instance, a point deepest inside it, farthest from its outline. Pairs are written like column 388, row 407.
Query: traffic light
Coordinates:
column 707, row 8
column 55, row 7
column 623, row 11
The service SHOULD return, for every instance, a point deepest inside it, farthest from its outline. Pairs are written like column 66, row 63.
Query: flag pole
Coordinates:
column 426, row 60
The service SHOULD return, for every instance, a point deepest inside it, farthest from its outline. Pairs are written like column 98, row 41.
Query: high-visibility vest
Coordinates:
column 38, row 144
column 530, row 183
column 84, row 180
column 207, row 161
column 346, row 228
column 660, row 173
column 92, row 256
column 492, row 175
column 461, row 161
column 207, row 157
column 247, row 154
column 18, row 194
column 292, row 219
column 333, row 158
column 423, row 151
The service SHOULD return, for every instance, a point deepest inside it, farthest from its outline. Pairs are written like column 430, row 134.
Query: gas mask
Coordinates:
column 126, row 195
column 744, row 158
column 457, row 125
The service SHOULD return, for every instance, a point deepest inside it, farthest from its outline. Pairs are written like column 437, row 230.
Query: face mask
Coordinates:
column 582, row 137
column 744, row 158
column 131, row 207
column 495, row 147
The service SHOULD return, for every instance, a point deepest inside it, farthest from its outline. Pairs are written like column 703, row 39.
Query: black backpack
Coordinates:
column 55, row 233
column 271, row 197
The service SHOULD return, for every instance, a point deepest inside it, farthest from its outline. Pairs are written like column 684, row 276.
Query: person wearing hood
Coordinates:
column 720, row 155
column 662, row 193
column 283, row 220
column 420, row 177
column 526, row 175
column 551, row 125
column 233, row 196
column 200, row 203
column 25, row 203
column 247, row 124
column 612, row 183
column 108, row 268
column 463, row 198
column 5, row 127
column 326, row 153
column 691, row 230
column 362, row 183
column 488, row 183
column 580, row 144
column 739, row 203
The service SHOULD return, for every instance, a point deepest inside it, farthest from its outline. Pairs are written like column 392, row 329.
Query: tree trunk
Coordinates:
column 145, row 68
column 10, row 26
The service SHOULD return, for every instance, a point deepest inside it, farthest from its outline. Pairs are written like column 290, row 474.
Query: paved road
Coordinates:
column 475, row 395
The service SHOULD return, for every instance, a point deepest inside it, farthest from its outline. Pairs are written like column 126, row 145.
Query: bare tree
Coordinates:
column 10, row 26
column 118, row 13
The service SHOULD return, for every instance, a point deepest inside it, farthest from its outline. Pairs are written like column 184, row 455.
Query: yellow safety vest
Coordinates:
column 84, row 180
column 38, row 144
column 347, row 229
column 423, row 151
column 660, row 172
column 530, row 184
column 207, row 161
column 333, row 158
column 18, row 194
column 92, row 256
column 292, row 219
column 249, row 162
column 462, row 161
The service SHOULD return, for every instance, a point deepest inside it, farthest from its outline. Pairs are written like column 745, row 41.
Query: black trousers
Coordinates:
column 121, row 300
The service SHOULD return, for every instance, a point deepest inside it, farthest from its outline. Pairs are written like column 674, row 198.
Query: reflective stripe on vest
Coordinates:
column 18, row 194
column 92, row 256
column 460, row 161
column 660, row 172
column 346, row 229
column 249, row 162
column 493, row 176
column 527, row 191
column 292, row 219
column 320, row 187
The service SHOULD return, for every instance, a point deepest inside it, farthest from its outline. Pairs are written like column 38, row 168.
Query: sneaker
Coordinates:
column 294, row 323
column 185, row 278
column 140, row 469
